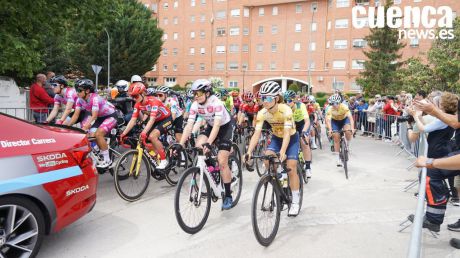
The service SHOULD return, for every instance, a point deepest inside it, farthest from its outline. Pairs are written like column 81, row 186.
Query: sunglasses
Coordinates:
column 267, row 98
column 198, row 93
column 159, row 95
column 289, row 100
column 54, row 85
column 79, row 90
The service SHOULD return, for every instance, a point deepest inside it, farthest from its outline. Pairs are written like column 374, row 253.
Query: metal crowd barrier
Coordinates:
column 24, row 113
column 376, row 124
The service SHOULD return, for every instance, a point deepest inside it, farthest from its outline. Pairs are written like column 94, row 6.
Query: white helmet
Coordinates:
column 335, row 99
column 270, row 88
column 311, row 98
column 163, row 89
column 201, row 84
column 136, row 78
column 122, row 85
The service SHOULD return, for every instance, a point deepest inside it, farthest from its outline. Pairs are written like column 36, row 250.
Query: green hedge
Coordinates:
column 321, row 100
column 320, row 94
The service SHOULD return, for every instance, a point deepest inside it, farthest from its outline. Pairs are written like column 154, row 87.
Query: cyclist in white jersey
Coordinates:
column 66, row 96
column 176, row 112
column 220, row 128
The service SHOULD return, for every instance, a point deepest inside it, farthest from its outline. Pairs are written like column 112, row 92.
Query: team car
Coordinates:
column 47, row 181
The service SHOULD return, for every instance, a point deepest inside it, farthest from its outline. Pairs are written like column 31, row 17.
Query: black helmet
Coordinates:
column 85, row 84
column 59, row 79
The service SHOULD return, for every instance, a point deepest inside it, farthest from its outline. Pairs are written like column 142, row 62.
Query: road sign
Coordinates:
column 96, row 69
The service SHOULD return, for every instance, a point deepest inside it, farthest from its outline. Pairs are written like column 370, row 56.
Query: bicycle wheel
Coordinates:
column 301, row 170
column 191, row 212
column 301, row 178
column 131, row 186
column 236, row 152
column 259, row 164
column 344, row 157
column 237, row 178
column 178, row 165
column 265, row 213
column 318, row 138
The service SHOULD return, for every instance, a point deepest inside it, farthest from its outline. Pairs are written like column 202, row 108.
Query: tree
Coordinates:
column 216, row 82
column 379, row 75
column 294, row 87
column 415, row 75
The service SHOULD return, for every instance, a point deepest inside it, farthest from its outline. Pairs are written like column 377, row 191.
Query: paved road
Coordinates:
column 339, row 218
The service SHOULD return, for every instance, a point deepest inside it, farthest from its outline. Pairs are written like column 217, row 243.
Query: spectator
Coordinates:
column 371, row 115
column 390, row 112
column 379, row 104
column 47, row 86
column 39, row 99
column 362, row 117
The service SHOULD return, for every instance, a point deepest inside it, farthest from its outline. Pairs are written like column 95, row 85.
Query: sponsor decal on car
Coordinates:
column 29, row 142
column 77, row 190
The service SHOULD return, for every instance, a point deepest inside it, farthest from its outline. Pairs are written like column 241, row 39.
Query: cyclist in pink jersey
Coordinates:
column 96, row 110
column 66, row 96
column 220, row 128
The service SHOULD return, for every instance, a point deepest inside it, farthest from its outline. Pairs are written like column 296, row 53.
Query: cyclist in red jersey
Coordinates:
column 159, row 122
column 313, row 119
column 248, row 109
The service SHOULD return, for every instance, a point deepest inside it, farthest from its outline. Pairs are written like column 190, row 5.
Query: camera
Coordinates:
column 408, row 118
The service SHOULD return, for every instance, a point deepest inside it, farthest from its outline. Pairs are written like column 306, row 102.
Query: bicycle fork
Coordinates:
column 136, row 162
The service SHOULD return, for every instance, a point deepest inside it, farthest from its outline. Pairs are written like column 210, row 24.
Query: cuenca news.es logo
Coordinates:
column 412, row 22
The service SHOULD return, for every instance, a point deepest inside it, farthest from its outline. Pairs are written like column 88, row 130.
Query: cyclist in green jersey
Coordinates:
column 302, row 123
column 227, row 100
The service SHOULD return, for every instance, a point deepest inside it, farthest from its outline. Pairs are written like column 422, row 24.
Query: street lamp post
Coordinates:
column 108, row 57
column 309, row 51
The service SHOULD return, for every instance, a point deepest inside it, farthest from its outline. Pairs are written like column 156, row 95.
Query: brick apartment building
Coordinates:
column 247, row 42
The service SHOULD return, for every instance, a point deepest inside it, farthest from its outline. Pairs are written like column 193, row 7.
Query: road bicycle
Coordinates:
column 271, row 195
column 344, row 152
column 201, row 184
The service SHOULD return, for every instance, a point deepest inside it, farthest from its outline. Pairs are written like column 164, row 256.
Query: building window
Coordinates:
column 203, row 2
column 314, row 7
column 363, row 22
column 233, row 66
column 191, row 67
column 202, row 18
column 312, row 65
column 339, row 64
column 165, row 51
column 165, row 67
column 233, row 84
column 343, row 3
column 261, row 11
column 175, row 20
column 359, row 43
column 192, row 34
column 329, row 25
column 202, row 67
column 245, row 31
column 341, row 23
column 298, row 8
column 297, row 47
column 355, row 86
column 170, row 80
column 235, row 13
column 192, row 18
column 314, row 26
column 261, row 30
column 272, row 66
column 259, row 66
column 340, row 44
column 175, row 67
column 298, row 27
column 274, row 47
column 275, row 10
column 202, row 51
column 246, row 12
column 192, row 51
column 220, row 66
column 220, row 32
column 165, row 6
column 175, row 35
column 234, row 31
column 165, row 21
column 202, row 34
column 328, row 44
column 260, row 48
column 174, row 51
column 414, row 42
column 312, row 46
column 220, row 15
column 245, row 48
column 192, row 3
column 357, row 64
column 220, row 49
column 274, row 29
column 397, row 2
column 165, row 36
column 338, row 85
column 176, row 4
column 244, row 66
column 296, row 66
column 234, row 48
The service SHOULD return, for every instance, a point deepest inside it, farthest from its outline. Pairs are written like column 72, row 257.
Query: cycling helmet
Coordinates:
column 190, row 94
column 248, row 96
column 150, row 91
column 335, row 99
column 59, row 79
column 311, row 98
column 136, row 78
column 234, row 93
column 136, row 88
column 163, row 89
column 85, row 84
column 289, row 94
column 202, row 84
column 122, row 85
column 270, row 88
column 224, row 92
column 304, row 98
column 218, row 94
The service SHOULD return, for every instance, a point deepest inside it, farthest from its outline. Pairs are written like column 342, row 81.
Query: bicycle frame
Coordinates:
column 217, row 188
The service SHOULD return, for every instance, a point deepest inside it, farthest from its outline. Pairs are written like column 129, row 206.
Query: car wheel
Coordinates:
column 22, row 227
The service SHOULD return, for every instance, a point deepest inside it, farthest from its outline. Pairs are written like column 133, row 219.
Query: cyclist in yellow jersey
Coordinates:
column 302, row 124
column 338, row 117
column 285, row 139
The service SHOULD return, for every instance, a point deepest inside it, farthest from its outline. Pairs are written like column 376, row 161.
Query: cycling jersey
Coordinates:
column 281, row 119
column 249, row 110
column 338, row 114
column 69, row 95
column 212, row 109
column 153, row 106
column 299, row 112
column 96, row 103
column 236, row 102
column 229, row 103
column 317, row 107
column 311, row 109
column 174, row 107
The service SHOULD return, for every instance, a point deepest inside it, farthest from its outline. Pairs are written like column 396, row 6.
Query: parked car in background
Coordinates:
column 47, row 181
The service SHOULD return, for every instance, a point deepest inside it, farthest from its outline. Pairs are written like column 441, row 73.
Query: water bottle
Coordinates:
column 234, row 168
column 169, row 139
column 213, row 169
column 282, row 176
column 95, row 147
